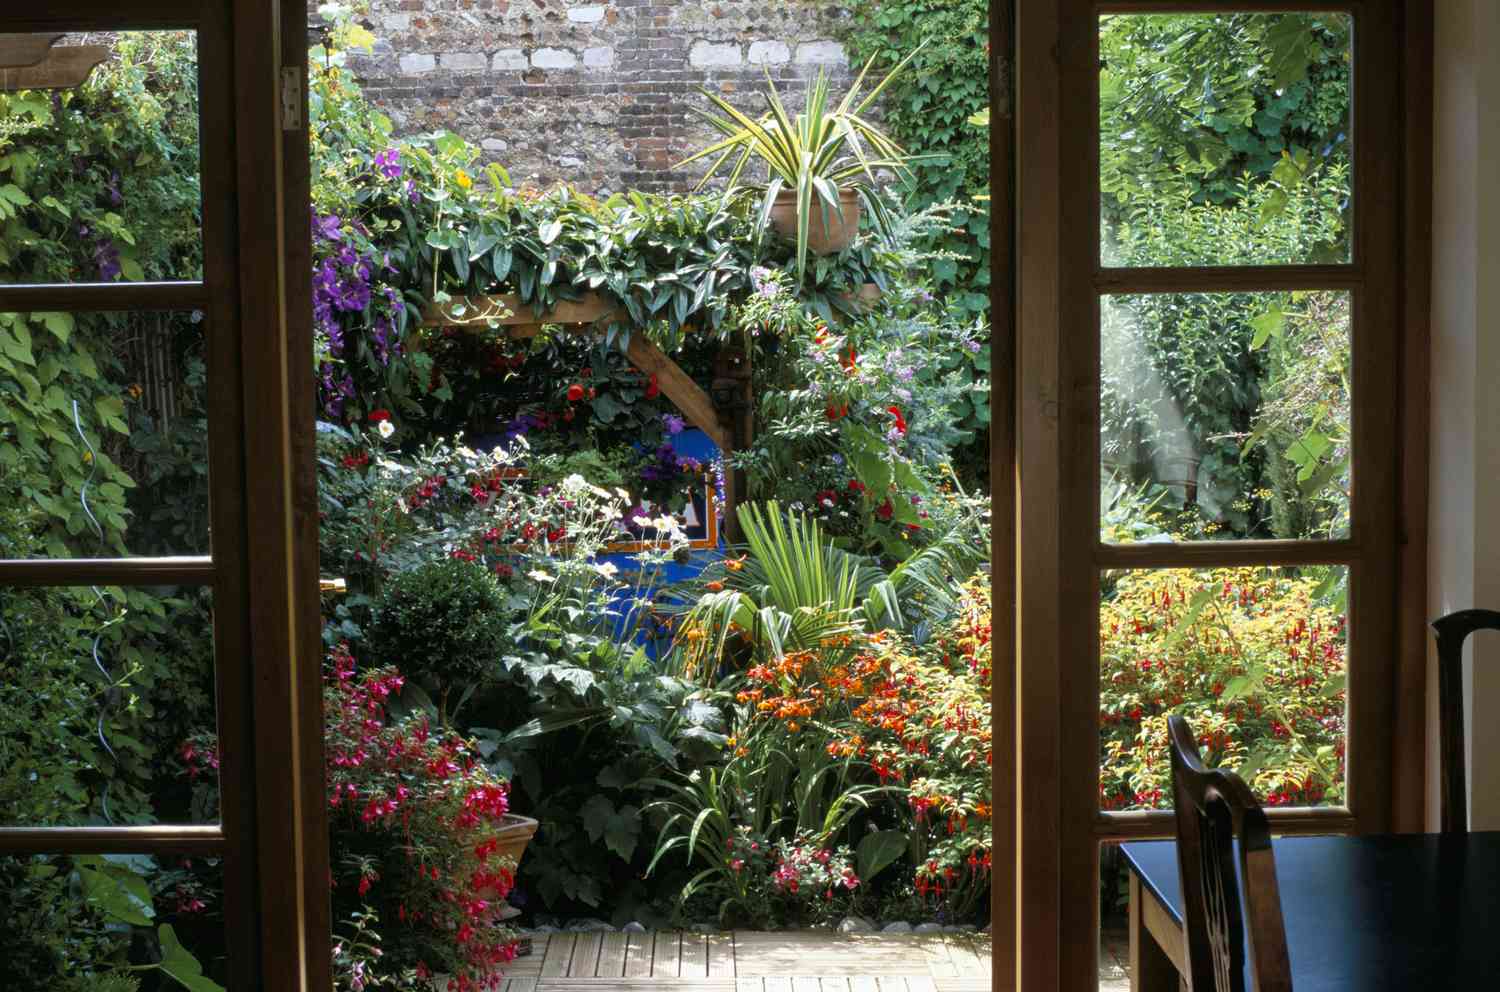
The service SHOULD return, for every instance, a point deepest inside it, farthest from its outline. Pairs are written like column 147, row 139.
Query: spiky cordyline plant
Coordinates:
column 815, row 154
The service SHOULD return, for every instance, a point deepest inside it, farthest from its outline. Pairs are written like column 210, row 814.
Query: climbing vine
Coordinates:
column 928, row 110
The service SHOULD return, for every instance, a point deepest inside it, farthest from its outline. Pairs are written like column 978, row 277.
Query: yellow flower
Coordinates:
column 463, row 179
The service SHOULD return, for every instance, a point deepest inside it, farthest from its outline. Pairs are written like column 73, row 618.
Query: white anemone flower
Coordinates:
column 386, row 428
column 607, row 569
column 537, row 575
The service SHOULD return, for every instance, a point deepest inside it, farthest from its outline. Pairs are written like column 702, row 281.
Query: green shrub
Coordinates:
column 443, row 622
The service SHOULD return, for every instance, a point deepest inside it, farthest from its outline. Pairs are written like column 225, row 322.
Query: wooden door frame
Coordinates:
column 1006, row 889
column 1059, row 829
column 264, row 570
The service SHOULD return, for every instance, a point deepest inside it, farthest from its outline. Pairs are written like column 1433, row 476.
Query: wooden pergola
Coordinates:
column 31, row 62
column 729, row 423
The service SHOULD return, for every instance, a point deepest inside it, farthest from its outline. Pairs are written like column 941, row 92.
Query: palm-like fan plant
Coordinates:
column 797, row 591
column 814, row 155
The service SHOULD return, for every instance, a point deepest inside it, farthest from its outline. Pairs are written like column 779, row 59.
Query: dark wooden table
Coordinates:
column 1363, row 914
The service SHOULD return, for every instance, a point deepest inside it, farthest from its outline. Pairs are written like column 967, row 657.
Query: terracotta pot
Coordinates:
column 822, row 239
column 514, row 836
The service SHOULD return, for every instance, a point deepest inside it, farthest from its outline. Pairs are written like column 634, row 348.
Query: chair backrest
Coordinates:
column 1452, row 631
column 1212, row 807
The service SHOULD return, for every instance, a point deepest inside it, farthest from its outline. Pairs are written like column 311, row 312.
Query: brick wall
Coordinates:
column 596, row 92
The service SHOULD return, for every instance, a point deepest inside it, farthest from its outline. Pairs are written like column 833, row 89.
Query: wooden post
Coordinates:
column 733, row 396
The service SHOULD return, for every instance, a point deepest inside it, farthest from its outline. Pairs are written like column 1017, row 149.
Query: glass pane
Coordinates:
column 1254, row 658
column 1224, row 416
column 106, row 706
column 1224, row 138
column 104, row 923
column 103, row 435
column 99, row 181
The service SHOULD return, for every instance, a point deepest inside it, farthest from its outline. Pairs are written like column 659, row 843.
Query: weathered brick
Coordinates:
column 509, row 59
column 769, row 53
column 417, row 62
column 554, row 58
column 708, row 54
column 573, row 89
column 586, row 15
column 821, row 53
column 464, row 61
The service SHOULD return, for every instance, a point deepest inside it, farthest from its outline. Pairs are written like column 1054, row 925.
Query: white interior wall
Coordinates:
column 1464, row 549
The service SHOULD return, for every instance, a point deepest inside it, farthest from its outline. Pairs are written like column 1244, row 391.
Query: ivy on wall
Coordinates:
column 927, row 110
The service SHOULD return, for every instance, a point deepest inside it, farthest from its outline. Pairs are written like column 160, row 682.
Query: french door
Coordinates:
column 1215, row 442
column 226, row 591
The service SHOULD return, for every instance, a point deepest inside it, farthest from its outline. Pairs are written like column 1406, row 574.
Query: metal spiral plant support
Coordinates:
column 110, row 695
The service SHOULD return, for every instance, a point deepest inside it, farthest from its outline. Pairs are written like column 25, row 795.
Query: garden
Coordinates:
column 655, row 528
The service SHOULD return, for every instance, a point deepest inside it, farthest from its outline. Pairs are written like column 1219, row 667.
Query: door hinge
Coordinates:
column 291, row 98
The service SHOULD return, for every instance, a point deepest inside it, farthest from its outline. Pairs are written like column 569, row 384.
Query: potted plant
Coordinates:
column 820, row 165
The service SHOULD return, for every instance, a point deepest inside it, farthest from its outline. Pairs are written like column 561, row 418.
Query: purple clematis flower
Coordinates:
column 389, row 163
column 328, row 226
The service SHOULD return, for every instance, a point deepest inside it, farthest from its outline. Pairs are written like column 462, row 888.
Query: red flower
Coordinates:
column 885, row 510
column 855, row 486
column 895, row 411
column 653, row 388
column 575, row 393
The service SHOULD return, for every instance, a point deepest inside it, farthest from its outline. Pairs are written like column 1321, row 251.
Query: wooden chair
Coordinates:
column 1452, row 631
column 1212, row 807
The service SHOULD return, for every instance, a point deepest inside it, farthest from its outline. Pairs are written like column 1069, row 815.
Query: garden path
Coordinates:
column 753, row 961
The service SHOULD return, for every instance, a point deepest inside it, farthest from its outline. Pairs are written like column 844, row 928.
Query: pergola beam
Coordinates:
column 590, row 311
column 59, row 69
column 18, row 51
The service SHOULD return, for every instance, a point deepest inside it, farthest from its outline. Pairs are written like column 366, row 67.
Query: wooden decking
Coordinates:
column 751, row 961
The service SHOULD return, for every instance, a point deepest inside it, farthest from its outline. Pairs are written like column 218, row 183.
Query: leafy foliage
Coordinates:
column 1194, row 105
column 441, row 621
column 1257, row 662
column 404, row 224
column 845, row 734
column 928, row 110
column 812, row 156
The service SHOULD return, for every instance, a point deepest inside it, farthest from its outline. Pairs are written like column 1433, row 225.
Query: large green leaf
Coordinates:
column 878, row 850
column 178, row 962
